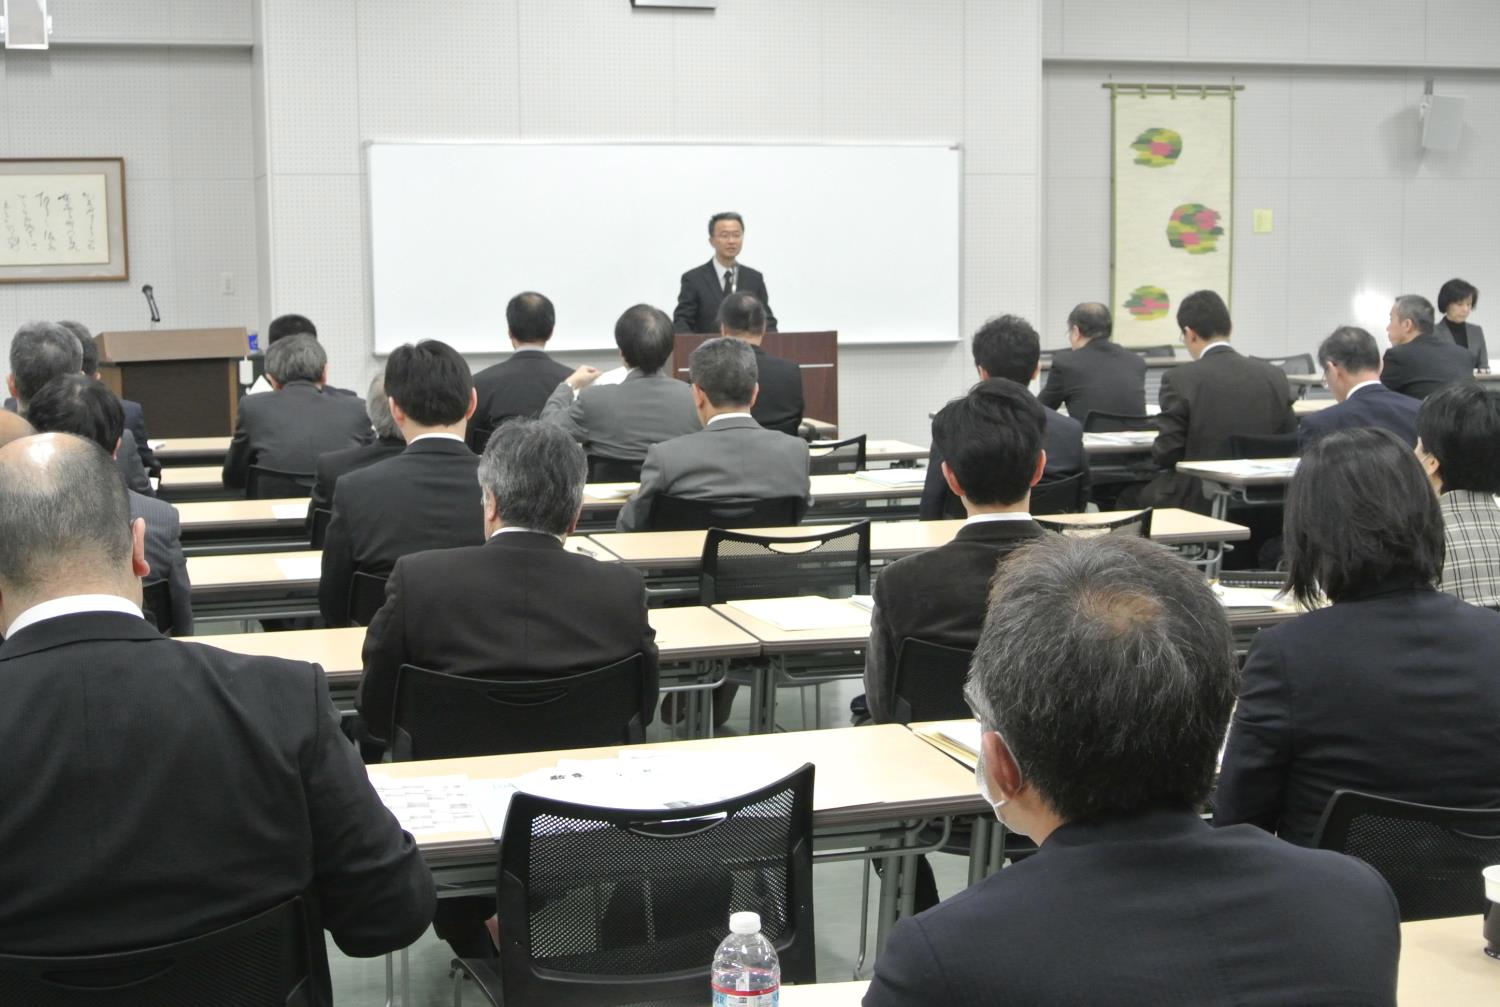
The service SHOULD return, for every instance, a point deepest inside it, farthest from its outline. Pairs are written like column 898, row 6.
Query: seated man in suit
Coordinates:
column 1351, row 370
column 1202, row 403
column 732, row 458
column 334, row 464
column 1097, row 374
column 1459, row 447
column 779, row 404
column 135, row 416
column 41, row 351
column 1420, row 361
column 705, row 286
column 1008, row 347
column 518, row 386
column 285, row 327
column 519, row 604
column 177, row 788
column 422, row 498
column 74, row 404
column 287, row 430
column 1102, row 684
column 621, row 421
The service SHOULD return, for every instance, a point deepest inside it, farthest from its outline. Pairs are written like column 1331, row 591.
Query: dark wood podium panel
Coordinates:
column 816, row 353
column 186, row 380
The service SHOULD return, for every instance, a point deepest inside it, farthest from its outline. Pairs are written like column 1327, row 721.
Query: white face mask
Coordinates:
column 982, row 778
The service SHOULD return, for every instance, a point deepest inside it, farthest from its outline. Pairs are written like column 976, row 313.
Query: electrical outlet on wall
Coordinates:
column 226, row 283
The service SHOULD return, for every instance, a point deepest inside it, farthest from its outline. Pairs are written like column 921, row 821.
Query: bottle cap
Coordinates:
column 744, row 923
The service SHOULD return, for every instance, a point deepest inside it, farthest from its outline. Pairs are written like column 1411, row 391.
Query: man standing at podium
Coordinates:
column 704, row 288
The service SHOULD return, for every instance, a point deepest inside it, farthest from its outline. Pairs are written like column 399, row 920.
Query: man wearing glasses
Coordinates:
column 1351, row 371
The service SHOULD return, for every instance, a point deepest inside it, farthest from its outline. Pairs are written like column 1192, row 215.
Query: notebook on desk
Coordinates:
column 959, row 739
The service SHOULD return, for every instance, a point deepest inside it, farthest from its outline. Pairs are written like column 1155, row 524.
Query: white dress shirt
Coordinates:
column 1010, row 515
column 529, row 531
column 727, row 416
column 720, row 269
column 72, row 604
column 423, row 437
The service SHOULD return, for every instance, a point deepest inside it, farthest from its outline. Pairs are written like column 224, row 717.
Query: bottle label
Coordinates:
column 768, row 997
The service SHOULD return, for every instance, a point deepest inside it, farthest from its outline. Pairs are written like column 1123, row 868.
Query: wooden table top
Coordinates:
column 206, row 514
column 832, row 488
column 775, row 640
column 195, row 477
column 172, row 448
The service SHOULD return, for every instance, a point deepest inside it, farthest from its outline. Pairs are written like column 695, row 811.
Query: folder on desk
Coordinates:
column 958, row 739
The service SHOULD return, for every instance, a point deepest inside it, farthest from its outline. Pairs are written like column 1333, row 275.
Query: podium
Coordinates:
column 815, row 353
column 186, row 380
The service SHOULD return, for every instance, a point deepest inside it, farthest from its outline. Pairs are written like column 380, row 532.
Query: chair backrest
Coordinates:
column 478, row 435
column 828, row 458
column 1137, row 525
column 1154, row 352
column 669, row 513
column 261, row 961
column 156, row 602
column 930, row 682
column 366, row 595
column 832, row 563
column 614, row 470
column 269, row 484
column 1059, row 496
column 1430, row 856
column 321, row 516
column 1260, row 445
column 442, row 716
column 1298, row 363
column 648, row 894
column 1117, row 423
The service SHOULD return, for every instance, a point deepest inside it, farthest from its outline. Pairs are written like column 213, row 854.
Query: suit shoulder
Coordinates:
column 1066, row 424
column 267, row 672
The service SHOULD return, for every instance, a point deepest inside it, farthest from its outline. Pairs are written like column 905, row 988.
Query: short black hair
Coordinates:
column 1107, row 667
column 39, row 352
column 1459, row 425
column 1352, row 348
column 1007, row 347
column 725, row 215
column 79, row 405
column 1205, row 312
column 86, row 341
column 644, row 335
column 430, row 381
column 290, row 325
column 530, row 317
column 725, row 370
column 991, row 439
column 1360, row 512
column 1092, row 320
column 742, row 312
column 1456, row 290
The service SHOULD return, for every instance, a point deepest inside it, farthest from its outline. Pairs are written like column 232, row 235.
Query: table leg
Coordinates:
column 763, row 695
column 979, row 849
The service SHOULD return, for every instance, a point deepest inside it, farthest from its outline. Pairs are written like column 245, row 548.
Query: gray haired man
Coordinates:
column 1420, row 361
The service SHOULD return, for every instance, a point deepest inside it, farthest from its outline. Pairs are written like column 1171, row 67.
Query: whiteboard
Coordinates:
column 862, row 239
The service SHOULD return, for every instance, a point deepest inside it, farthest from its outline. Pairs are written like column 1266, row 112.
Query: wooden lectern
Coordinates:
column 816, row 353
column 186, row 380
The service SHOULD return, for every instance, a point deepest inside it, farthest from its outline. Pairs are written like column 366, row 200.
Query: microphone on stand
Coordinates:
column 151, row 303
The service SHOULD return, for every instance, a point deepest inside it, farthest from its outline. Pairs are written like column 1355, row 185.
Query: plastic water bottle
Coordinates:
column 746, row 970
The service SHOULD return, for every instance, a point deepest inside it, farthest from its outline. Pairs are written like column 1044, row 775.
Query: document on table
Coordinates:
column 864, row 601
column 300, row 567
column 289, row 512
column 611, row 491
column 1269, row 468
column 1249, row 599
column 1138, row 438
column 431, row 805
column 959, row 739
column 650, row 780
column 811, row 612
column 894, row 477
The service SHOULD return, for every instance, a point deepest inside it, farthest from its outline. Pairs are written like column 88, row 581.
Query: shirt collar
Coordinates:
column 1213, row 346
column 727, row 416
column 1003, row 516
column 446, row 437
column 1372, row 383
column 529, row 531
column 529, row 349
column 73, row 604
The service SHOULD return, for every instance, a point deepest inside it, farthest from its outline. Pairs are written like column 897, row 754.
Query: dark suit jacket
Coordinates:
column 1425, row 364
column 427, row 497
column 778, row 405
column 1478, row 352
column 520, row 604
column 702, row 292
column 1062, row 440
column 335, row 464
column 165, row 557
column 517, row 386
column 1393, row 693
column 1099, row 376
column 179, row 788
column 1150, row 910
column 940, row 596
column 135, row 422
column 287, row 430
column 1202, row 403
column 1372, row 406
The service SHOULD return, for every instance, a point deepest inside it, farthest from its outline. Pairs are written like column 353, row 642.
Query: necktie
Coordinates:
column 728, row 282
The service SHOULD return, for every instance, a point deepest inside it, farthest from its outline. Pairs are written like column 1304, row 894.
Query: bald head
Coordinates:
column 65, row 524
column 12, row 427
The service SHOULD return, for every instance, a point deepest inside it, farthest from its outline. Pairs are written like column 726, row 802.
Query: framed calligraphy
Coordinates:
column 62, row 219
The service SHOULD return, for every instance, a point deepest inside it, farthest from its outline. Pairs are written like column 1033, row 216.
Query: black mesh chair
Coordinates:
column 1137, row 525
column 602, row 907
column 156, row 604
column 366, row 595
column 1116, row 423
column 477, row 436
column 1260, row 446
column 828, row 458
column 930, row 682
column 442, row 716
column 833, row 563
column 1430, row 856
column 259, row 962
column 269, row 484
column 1298, row 363
column 318, row 530
column 1059, row 496
column 614, row 470
column 669, row 513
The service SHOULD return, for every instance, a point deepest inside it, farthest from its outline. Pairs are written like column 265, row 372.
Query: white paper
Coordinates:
column 610, row 491
column 1248, row 598
column 651, row 780
column 430, row 805
column 1127, row 437
column 864, row 601
column 894, row 477
column 613, row 376
column 289, row 512
column 811, row 612
column 300, row 567
column 963, row 733
column 156, row 445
